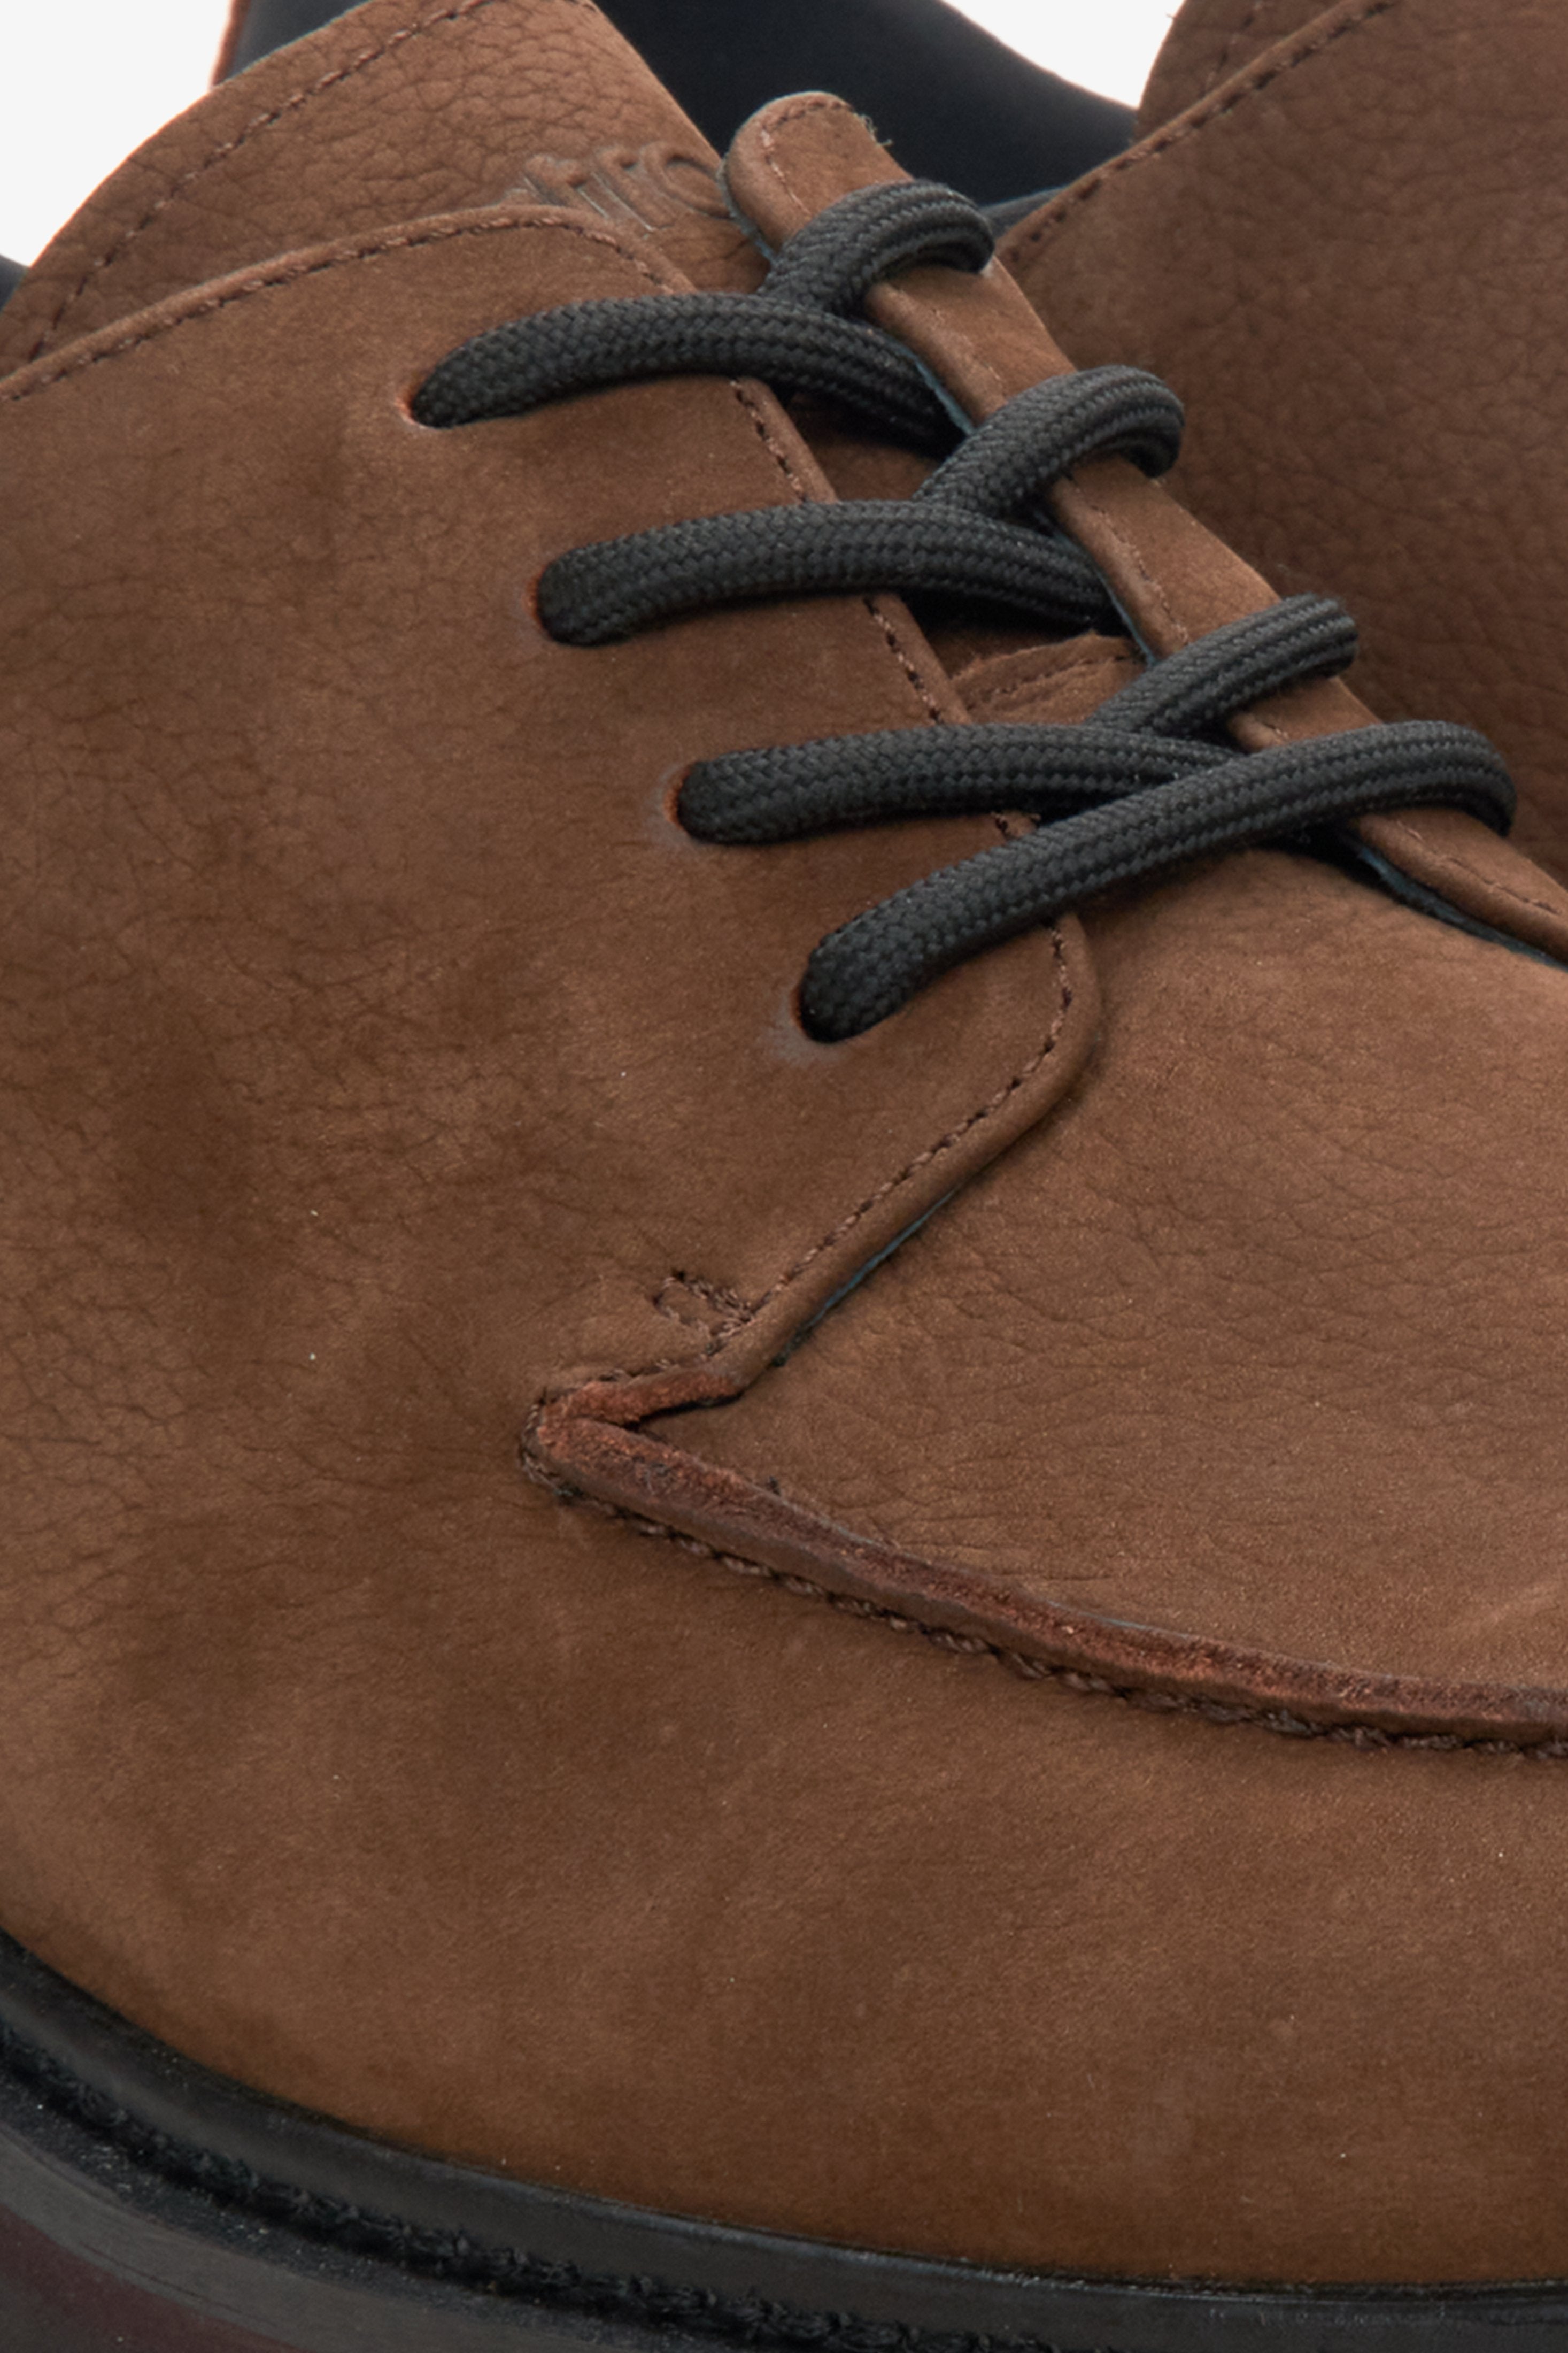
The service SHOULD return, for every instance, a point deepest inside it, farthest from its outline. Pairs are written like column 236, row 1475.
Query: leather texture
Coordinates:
column 1210, row 41
column 953, row 102
column 1341, row 257
column 384, row 1075
column 1286, row 1563
column 380, row 117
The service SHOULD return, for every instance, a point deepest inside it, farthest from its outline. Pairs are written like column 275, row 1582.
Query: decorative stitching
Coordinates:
column 1187, row 126
column 1157, row 596
column 928, row 701
column 725, row 1311
column 1369, row 1738
column 290, row 274
column 782, row 457
column 906, row 1175
column 625, row 1377
column 258, row 123
column 796, row 111
column 1476, row 874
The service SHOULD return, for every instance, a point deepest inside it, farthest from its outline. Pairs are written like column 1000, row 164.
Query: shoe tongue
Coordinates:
column 398, row 110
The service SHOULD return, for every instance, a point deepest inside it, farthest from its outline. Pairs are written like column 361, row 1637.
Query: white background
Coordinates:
column 89, row 80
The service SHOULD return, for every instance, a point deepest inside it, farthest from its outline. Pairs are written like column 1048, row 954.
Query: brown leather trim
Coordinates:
column 579, row 1447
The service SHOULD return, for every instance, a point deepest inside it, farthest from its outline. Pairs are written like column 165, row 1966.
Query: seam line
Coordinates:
column 1187, row 126
column 731, row 1330
column 1283, row 1723
column 1476, row 874
column 371, row 251
column 258, row 123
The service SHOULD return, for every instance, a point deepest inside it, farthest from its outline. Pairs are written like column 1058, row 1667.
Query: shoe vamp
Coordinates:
column 1260, row 1340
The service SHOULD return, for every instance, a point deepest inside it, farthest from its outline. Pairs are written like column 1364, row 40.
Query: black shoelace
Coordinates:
column 1148, row 781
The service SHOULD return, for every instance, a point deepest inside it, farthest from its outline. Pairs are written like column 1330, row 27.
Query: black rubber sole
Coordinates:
column 147, row 2206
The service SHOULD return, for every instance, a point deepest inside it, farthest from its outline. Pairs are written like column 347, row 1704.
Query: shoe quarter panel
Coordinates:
column 359, row 986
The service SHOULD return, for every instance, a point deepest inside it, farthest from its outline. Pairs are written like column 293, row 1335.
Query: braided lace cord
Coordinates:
column 1148, row 781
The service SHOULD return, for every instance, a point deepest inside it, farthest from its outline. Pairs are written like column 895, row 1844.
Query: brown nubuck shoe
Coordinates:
column 1342, row 241
column 784, row 1564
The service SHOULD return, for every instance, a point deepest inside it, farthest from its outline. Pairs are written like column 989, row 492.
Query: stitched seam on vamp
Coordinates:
column 905, row 659
column 624, row 1377
column 257, row 124
column 804, row 495
column 1149, row 1700
column 1477, row 874
column 922, row 1160
column 1190, row 124
column 402, row 242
